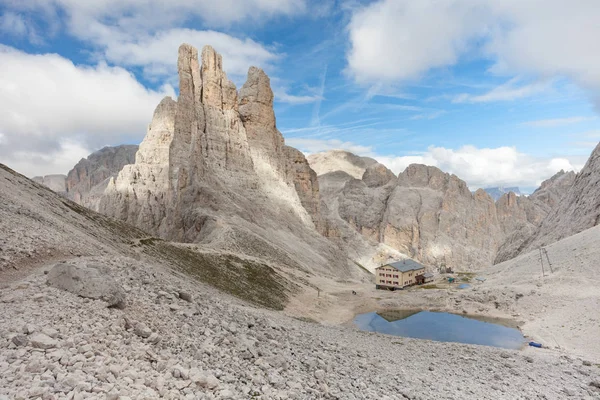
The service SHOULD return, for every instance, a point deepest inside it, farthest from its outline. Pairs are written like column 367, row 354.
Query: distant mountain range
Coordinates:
column 497, row 192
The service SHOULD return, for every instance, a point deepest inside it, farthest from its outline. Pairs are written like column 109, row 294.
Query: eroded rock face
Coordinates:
column 57, row 183
column 214, row 169
column 86, row 182
column 576, row 211
column 424, row 213
column 521, row 216
column 430, row 215
column 92, row 281
column 433, row 216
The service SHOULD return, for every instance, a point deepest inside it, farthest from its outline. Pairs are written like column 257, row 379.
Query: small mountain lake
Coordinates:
column 443, row 327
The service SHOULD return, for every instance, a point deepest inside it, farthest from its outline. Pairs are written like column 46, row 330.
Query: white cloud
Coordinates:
column 12, row 24
column 429, row 115
column 310, row 146
column 158, row 53
column 547, row 123
column 505, row 92
column 479, row 167
column 147, row 33
column 395, row 40
column 402, row 39
column 35, row 163
column 16, row 25
column 51, row 108
column 155, row 14
column 284, row 97
column 484, row 167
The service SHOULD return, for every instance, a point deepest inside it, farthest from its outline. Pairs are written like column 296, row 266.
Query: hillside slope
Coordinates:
column 39, row 226
column 578, row 209
column 559, row 304
column 178, row 337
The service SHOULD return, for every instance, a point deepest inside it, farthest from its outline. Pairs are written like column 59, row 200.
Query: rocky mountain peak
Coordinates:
column 377, row 175
column 339, row 160
column 419, row 175
column 215, row 169
column 154, row 149
column 256, row 111
column 577, row 210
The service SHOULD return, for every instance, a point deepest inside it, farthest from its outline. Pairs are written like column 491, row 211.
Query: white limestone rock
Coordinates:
column 93, row 282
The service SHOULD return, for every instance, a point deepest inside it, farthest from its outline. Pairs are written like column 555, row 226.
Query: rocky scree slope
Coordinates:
column 177, row 339
column 213, row 169
column 38, row 226
column 559, row 304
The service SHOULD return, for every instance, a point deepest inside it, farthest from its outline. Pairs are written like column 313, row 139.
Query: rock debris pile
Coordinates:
column 176, row 339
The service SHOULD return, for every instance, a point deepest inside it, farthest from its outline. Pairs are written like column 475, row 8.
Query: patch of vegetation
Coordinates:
column 307, row 319
column 150, row 241
column 432, row 286
column 119, row 228
column 249, row 280
column 466, row 276
column 363, row 267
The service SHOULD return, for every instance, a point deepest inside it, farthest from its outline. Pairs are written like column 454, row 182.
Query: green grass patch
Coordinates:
column 363, row 267
column 432, row 286
column 466, row 276
column 307, row 319
column 249, row 280
column 150, row 241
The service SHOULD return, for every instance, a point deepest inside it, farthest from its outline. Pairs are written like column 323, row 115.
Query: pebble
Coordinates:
column 42, row 341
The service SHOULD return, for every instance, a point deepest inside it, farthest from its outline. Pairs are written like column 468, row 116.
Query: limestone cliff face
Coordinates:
column 552, row 190
column 521, row 217
column 139, row 194
column 434, row 217
column 56, row 182
column 576, row 211
column 86, row 182
column 423, row 213
column 214, row 169
column 431, row 215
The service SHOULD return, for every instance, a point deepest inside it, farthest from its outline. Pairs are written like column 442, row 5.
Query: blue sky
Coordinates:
column 500, row 93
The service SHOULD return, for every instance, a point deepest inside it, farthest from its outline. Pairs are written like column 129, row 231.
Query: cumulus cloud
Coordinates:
column 395, row 40
column 154, row 14
column 485, row 167
column 157, row 53
column 402, row 39
column 35, row 163
column 52, row 111
column 147, row 33
column 479, row 167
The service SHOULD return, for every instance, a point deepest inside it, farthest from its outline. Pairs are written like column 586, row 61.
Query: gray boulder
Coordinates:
column 92, row 281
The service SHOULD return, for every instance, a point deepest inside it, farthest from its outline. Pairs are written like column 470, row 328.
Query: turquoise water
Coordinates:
column 441, row 327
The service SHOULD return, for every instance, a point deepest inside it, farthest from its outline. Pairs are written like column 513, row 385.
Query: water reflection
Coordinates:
column 443, row 327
